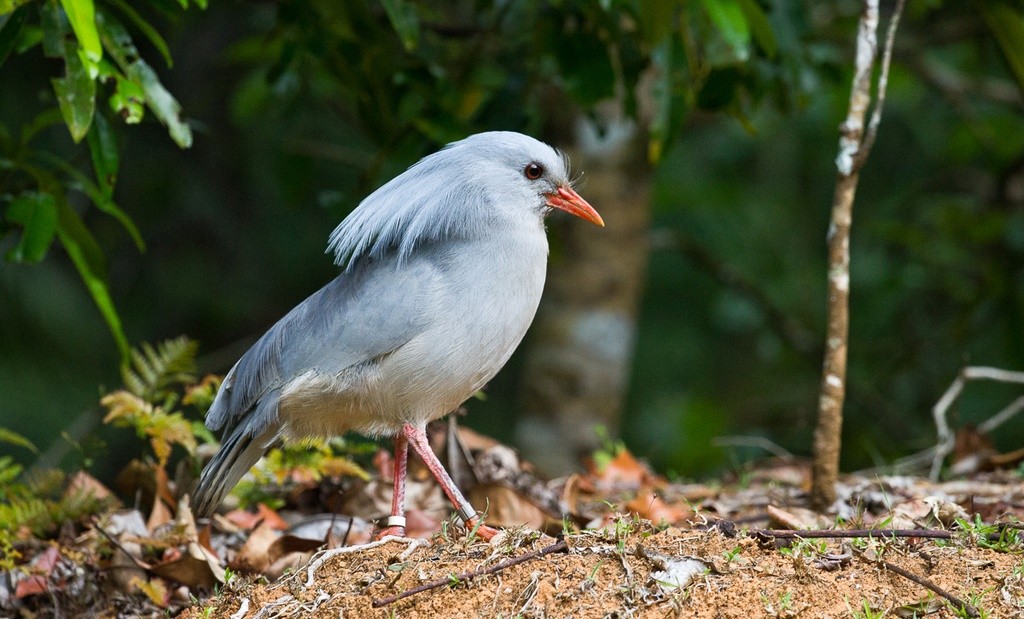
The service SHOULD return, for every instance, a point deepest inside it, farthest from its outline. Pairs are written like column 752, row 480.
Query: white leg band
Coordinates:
column 395, row 521
column 466, row 513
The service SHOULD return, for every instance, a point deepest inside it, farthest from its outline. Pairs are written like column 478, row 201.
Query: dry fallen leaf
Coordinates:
column 623, row 471
column 154, row 589
column 797, row 518
column 648, row 504
column 253, row 556
column 197, row 567
column 506, row 507
column 242, row 519
column 271, row 517
column 159, row 516
column 84, row 484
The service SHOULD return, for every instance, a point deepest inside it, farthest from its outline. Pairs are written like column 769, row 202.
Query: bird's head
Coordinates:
column 499, row 177
column 511, row 164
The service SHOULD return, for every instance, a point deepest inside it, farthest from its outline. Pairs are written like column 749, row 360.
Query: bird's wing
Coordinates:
column 362, row 314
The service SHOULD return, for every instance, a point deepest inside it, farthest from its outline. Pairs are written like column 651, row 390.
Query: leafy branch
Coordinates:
column 100, row 61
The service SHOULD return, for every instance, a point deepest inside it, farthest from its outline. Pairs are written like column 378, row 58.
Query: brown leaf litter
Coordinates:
column 912, row 547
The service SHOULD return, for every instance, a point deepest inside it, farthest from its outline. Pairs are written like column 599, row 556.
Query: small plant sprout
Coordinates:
column 730, row 555
column 865, row 611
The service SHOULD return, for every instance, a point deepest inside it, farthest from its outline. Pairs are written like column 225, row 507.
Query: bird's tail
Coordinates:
column 237, row 454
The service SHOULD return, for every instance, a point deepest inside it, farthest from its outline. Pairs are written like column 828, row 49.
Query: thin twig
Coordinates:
column 559, row 546
column 883, row 82
column 993, row 422
column 853, row 533
column 939, row 411
column 927, row 584
column 138, row 562
column 752, row 441
column 243, row 610
column 325, row 555
column 836, row 533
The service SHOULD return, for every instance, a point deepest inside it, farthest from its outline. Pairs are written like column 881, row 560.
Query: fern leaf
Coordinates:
column 125, row 408
column 153, row 369
column 13, row 438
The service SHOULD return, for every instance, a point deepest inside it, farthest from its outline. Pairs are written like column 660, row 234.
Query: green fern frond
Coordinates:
column 31, row 505
column 20, row 512
column 9, row 471
column 153, row 369
column 13, row 438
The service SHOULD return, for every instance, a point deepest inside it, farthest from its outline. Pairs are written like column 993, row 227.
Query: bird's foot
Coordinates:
column 484, row 532
column 393, row 530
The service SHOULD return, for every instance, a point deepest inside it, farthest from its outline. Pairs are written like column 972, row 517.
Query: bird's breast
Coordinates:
column 486, row 300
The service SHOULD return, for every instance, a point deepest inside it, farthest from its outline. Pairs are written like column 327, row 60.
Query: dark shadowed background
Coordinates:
column 708, row 148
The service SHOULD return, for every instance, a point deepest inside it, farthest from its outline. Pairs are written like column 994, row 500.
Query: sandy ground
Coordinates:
column 632, row 569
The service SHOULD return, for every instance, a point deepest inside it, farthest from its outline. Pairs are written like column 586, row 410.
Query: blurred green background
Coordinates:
column 301, row 108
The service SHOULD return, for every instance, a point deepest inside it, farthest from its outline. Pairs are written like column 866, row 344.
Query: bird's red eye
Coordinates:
column 533, row 171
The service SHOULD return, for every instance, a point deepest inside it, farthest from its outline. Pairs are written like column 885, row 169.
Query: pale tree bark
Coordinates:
column 580, row 347
column 855, row 143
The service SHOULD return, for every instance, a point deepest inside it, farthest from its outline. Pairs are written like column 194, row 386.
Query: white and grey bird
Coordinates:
column 443, row 269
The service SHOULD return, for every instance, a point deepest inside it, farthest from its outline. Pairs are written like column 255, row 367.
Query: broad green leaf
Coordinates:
column 6, row 6
column 728, row 18
column 404, row 20
column 128, row 101
column 146, row 28
column 82, row 16
column 9, row 31
column 37, row 213
column 661, row 92
column 76, row 94
column 165, row 107
column 13, row 438
column 31, row 35
column 51, row 20
column 103, row 151
column 760, row 27
column 85, row 253
column 1006, row 22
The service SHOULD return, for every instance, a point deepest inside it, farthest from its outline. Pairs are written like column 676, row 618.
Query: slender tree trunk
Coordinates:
column 581, row 343
column 855, row 142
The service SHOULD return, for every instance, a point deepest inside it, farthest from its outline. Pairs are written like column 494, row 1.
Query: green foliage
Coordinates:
column 609, row 449
column 153, row 371
column 1005, row 19
column 37, row 184
column 304, row 460
column 151, row 395
column 38, row 506
column 13, row 438
column 993, row 536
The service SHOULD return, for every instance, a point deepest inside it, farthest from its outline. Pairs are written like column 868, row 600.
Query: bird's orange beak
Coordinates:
column 566, row 199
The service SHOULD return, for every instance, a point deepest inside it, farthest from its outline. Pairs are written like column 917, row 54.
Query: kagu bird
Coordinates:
column 443, row 269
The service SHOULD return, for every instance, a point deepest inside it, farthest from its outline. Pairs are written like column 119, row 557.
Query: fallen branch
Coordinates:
column 559, row 546
column 764, row 534
column 842, row 534
column 961, row 605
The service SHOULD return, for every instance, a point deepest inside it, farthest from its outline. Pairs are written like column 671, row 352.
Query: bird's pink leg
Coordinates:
column 396, row 522
column 418, row 439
